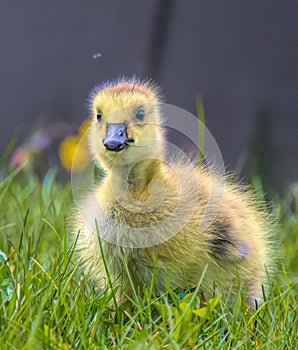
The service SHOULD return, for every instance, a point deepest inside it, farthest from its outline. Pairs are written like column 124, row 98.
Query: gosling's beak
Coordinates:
column 116, row 137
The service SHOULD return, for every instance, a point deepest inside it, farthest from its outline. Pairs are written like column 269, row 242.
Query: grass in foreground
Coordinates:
column 46, row 302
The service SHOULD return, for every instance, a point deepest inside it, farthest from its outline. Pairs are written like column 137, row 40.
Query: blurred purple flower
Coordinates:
column 41, row 145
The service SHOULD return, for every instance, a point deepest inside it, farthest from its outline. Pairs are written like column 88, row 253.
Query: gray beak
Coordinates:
column 116, row 137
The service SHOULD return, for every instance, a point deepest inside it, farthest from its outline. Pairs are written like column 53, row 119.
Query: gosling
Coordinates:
column 151, row 214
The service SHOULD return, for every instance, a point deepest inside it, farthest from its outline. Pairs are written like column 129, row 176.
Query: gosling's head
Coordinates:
column 126, row 125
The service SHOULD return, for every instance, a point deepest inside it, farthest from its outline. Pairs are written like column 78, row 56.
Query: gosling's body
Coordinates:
column 142, row 235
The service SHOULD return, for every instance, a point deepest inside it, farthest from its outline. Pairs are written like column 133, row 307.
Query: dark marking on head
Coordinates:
column 133, row 87
column 130, row 84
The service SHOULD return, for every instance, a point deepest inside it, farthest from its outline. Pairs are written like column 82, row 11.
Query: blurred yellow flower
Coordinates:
column 73, row 151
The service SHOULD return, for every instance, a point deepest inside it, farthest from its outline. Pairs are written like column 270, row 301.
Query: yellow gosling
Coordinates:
column 150, row 211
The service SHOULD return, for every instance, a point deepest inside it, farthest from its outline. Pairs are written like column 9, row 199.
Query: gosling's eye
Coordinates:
column 99, row 115
column 140, row 115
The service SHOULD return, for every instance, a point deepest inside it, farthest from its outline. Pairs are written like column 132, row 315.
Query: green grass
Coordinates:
column 47, row 303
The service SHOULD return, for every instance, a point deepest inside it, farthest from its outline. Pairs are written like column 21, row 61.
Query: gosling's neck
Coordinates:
column 137, row 179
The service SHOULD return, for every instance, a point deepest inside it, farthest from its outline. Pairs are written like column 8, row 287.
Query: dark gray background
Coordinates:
column 239, row 55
